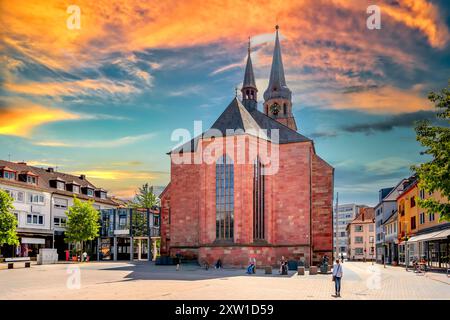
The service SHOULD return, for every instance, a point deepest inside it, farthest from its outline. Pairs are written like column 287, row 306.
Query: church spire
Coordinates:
column 249, row 90
column 277, row 82
column 278, row 97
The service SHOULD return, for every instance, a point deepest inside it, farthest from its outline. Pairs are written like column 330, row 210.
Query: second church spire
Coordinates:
column 249, row 90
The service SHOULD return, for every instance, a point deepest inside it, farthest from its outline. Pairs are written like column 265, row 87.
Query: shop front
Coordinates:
column 433, row 247
column 127, row 234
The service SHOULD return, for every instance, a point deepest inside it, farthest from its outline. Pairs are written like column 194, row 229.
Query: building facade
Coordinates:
column 344, row 215
column 421, row 235
column 387, row 205
column 361, row 235
column 129, row 234
column 390, row 237
column 41, row 199
column 235, row 210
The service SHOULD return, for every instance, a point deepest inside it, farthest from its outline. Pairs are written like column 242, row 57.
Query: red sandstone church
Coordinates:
column 235, row 210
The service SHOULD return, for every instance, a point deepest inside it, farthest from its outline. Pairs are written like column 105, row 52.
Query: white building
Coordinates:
column 387, row 205
column 41, row 199
column 346, row 214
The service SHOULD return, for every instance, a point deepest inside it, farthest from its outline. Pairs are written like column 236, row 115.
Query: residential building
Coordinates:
column 233, row 209
column 421, row 234
column 41, row 199
column 390, row 239
column 361, row 234
column 387, row 205
column 345, row 214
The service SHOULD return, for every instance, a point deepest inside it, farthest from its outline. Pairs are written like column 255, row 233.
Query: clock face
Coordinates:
column 275, row 108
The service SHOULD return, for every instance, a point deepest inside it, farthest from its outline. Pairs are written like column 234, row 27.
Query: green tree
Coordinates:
column 83, row 222
column 434, row 175
column 145, row 198
column 8, row 221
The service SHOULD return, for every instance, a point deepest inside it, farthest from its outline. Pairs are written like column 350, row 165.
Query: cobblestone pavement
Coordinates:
column 143, row 280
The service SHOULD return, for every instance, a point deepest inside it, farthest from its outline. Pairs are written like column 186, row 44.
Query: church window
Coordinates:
column 224, row 198
column 258, row 201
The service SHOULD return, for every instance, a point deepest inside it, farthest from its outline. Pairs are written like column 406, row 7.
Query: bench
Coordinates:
column 11, row 261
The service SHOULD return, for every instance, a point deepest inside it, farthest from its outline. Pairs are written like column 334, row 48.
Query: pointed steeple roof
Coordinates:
column 277, row 83
column 249, row 76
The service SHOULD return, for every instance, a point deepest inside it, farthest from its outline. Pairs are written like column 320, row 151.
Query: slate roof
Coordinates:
column 236, row 120
column 44, row 178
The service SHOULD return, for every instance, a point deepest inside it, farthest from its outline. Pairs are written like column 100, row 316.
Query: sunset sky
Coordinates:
column 103, row 100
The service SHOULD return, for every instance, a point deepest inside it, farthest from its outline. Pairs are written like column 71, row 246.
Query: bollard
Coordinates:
column 312, row 270
column 301, row 271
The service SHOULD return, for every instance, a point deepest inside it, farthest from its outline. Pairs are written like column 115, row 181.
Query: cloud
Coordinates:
column 386, row 99
column 21, row 117
column 388, row 166
column 95, row 143
column 71, row 88
column 403, row 120
column 118, row 26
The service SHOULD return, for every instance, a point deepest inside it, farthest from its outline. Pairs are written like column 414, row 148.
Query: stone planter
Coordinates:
column 268, row 270
column 301, row 271
column 312, row 270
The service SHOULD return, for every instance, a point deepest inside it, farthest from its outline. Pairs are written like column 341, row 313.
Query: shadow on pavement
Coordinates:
column 191, row 272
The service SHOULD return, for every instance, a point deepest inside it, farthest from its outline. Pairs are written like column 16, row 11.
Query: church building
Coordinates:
column 265, row 194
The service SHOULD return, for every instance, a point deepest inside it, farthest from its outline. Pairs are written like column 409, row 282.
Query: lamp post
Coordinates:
column 385, row 251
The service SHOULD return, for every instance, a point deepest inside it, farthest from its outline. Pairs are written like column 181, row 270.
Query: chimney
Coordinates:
column 83, row 177
column 51, row 170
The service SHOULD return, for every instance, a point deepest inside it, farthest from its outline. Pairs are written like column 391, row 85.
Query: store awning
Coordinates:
column 444, row 234
column 423, row 237
column 435, row 235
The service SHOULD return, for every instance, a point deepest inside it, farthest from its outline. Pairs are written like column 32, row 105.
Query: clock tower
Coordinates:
column 278, row 97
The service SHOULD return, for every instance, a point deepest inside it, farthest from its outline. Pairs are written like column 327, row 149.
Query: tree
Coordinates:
column 435, row 174
column 145, row 198
column 8, row 221
column 83, row 222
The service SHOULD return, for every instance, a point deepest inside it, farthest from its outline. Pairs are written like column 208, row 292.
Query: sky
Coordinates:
column 104, row 99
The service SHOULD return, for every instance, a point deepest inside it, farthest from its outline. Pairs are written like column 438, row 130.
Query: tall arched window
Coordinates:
column 258, row 201
column 224, row 198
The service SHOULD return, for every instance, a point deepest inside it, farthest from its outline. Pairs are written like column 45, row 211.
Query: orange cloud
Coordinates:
column 38, row 29
column 21, row 118
column 69, row 88
column 381, row 100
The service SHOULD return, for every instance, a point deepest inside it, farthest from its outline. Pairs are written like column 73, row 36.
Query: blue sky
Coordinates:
column 105, row 99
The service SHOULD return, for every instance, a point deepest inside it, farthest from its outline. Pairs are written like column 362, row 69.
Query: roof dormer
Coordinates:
column 8, row 173
column 28, row 177
column 73, row 187
column 101, row 193
column 58, row 183
column 88, row 190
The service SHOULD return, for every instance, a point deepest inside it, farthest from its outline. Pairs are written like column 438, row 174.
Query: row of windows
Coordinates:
column 35, row 218
column 19, row 196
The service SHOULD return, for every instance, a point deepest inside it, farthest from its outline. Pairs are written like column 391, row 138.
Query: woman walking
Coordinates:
column 337, row 277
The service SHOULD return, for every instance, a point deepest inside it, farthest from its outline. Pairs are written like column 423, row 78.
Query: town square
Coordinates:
column 142, row 280
column 318, row 167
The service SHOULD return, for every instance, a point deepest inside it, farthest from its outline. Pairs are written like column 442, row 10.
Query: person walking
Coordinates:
column 337, row 277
